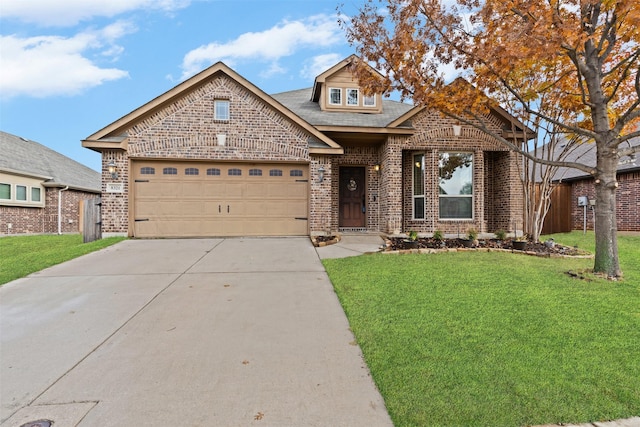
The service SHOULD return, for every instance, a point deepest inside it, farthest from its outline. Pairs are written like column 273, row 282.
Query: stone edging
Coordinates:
column 317, row 244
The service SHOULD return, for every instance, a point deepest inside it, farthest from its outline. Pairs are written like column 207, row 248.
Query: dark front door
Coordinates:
column 352, row 197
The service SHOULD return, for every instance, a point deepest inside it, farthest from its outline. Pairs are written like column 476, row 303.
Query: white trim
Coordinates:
column 364, row 103
column 348, row 91
column 459, row 196
column 414, row 196
column 330, row 97
column 222, row 102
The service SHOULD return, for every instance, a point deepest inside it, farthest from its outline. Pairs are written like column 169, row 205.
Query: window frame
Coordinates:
column 339, row 92
column 39, row 195
column 10, row 187
column 227, row 110
column 471, row 196
column 416, row 196
column 21, row 191
column 349, row 91
column 364, row 101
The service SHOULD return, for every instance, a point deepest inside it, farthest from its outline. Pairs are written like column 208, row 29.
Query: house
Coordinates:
column 41, row 191
column 216, row 156
column 574, row 188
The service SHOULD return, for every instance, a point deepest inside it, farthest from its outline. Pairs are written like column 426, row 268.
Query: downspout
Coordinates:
column 60, row 208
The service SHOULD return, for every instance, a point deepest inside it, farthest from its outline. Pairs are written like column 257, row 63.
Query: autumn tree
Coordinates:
column 582, row 56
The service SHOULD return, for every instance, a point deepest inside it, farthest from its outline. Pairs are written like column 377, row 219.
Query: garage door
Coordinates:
column 194, row 199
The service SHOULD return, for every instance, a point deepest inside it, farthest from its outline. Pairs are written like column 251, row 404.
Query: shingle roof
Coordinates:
column 586, row 154
column 31, row 158
column 299, row 101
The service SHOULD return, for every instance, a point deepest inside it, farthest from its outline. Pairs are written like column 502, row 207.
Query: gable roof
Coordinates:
column 113, row 135
column 29, row 158
column 322, row 78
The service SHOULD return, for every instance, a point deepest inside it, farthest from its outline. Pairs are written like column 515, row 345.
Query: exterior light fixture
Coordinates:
column 321, row 173
column 113, row 169
column 376, row 168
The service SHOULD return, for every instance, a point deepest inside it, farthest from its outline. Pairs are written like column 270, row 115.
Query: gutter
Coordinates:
column 60, row 208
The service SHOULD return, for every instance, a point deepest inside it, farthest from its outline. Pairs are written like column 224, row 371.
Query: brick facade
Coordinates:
column 627, row 202
column 184, row 128
column 36, row 220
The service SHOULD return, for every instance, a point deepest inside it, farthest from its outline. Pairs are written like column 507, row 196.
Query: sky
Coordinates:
column 68, row 68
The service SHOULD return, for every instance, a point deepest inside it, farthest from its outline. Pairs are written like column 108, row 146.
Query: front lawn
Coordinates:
column 496, row 339
column 23, row 255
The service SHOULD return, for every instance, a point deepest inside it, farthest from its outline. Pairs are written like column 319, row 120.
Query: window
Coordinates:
column 235, row 172
column 295, row 172
column 191, row 171
column 35, row 194
column 335, row 96
column 170, row 171
column 147, row 171
column 213, row 171
column 5, row 191
column 418, row 186
column 21, row 192
column 275, row 172
column 456, row 185
column 221, row 110
column 352, row 97
column 369, row 101
column 255, row 172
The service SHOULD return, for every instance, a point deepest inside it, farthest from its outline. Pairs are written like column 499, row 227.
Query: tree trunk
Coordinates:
column 606, row 259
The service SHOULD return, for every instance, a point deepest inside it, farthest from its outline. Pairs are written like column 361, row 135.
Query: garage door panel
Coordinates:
column 219, row 204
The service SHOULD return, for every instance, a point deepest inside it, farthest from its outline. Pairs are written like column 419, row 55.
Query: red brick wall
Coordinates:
column 45, row 220
column 627, row 202
column 497, row 191
column 186, row 129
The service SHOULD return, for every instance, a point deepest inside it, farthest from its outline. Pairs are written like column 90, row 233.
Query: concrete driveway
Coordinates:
column 221, row 332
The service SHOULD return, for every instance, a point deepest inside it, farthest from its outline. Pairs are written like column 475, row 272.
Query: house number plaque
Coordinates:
column 115, row 187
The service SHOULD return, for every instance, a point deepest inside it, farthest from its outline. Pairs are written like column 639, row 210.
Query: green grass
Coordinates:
column 23, row 255
column 496, row 339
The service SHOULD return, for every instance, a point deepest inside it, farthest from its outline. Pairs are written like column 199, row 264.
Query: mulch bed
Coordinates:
column 532, row 248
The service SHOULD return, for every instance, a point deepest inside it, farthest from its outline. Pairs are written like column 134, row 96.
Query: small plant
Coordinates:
column 501, row 234
column 522, row 238
column 472, row 234
column 438, row 235
column 413, row 235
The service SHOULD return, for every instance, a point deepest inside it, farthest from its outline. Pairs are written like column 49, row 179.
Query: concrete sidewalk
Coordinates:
column 353, row 244
column 229, row 332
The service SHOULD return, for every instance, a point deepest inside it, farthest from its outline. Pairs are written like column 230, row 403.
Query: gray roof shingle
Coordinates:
column 31, row 158
column 586, row 154
column 299, row 102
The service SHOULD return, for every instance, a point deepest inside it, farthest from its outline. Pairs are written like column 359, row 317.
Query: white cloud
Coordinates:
column 319, row 64
column 45, row 66
column 284, row 39
column 70, row 12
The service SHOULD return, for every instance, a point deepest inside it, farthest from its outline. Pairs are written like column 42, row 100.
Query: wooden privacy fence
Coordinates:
column 92, row 229
column 558, row 219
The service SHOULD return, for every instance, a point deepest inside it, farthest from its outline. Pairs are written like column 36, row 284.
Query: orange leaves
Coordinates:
column 579, row 56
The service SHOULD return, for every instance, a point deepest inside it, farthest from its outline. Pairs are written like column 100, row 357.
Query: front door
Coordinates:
column 353, row 206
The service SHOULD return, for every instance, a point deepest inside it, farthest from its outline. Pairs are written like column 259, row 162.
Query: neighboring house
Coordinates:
column 216, row 156
column 41, row 190
column 569, row 213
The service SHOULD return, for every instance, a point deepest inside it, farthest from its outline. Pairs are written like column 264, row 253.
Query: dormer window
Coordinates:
column 335, row 96
column 369, row 101
column 352, row 97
